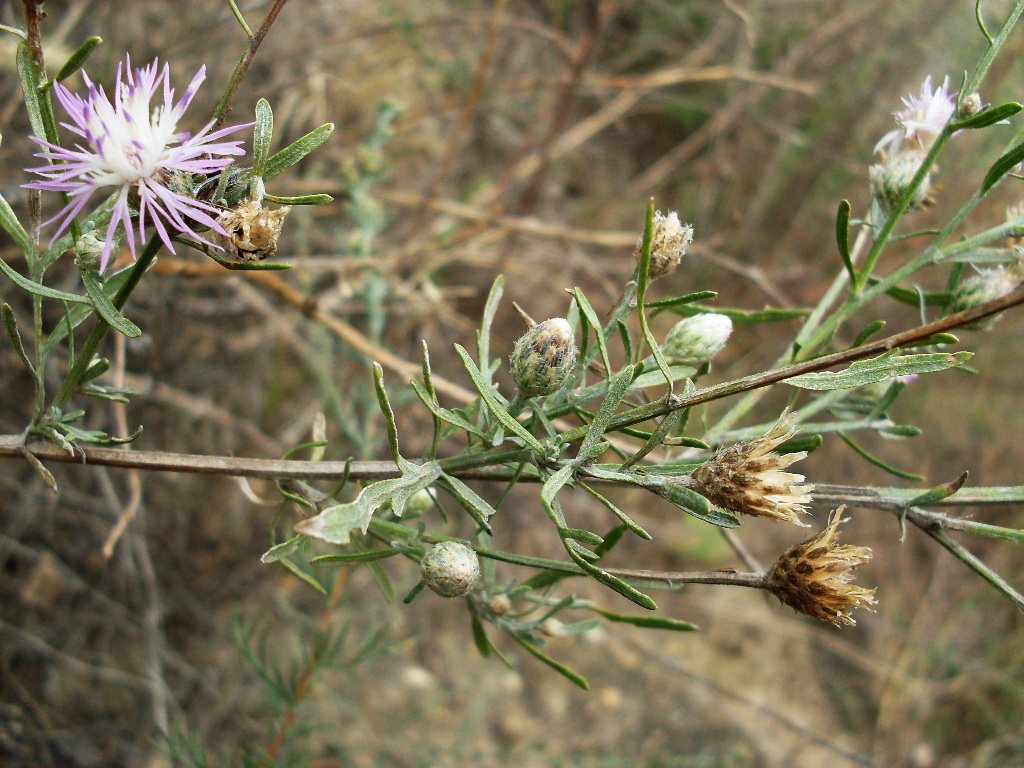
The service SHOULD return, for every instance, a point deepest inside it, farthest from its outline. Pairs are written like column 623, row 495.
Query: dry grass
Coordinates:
column 528, row 143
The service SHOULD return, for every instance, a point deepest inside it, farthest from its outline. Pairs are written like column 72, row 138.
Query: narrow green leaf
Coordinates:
column 263, row 134
column 626, row 520
column 743, row 316
column 561, row 669
column 385, row 408
column 688, row 298
column 648, row 622
column 320, row 199
column 884, row 367
column 656, row 439
column 483, row 337
column 1001, row 167
column 987, row 117
column 283, row 549
column 290, row 155
column 451, row 417
column 868, row 332
column 478, row 507
column 939, row 492
column 878, row 462
column 581, row 535
column 13, row 228
column 612, row 582
column 656, row 378
column 497, row 409
column 805, row 443
column 414, row 592
column 544, row 579
column 843, row 239
column 40, row 290
column 31, row 78
column 11, row 326
column 616, row 391
column 77, row 59
column 694, row 504
column 301, row 575
column 480, row 640
column 383, row 581
column 352, row 558
column 595, row 322
column 105, row 307
column 555, row 483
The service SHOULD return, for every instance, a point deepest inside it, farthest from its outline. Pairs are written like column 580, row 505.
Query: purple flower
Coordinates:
column 136, row 149
column 921, row 121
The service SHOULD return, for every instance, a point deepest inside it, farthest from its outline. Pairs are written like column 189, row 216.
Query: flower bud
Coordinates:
column 544, row 357
column 970, row 106
column 89, row 252
column 500, row 604
column 418, row 504
column 669, row 243
column 987, row 285
column 891, row 179
column 450, row 569
column 1015, row 237
column 697, row 339
column 814, row 577
column 252, row 230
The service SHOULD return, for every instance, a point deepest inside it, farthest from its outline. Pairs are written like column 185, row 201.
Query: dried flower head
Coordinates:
column 748, row 478
column 987, row 285
column 697, row 339
column 135, row 149
column 251, row 231
column 450, row 568
column 925, row 116
column 891, row 179
column 543, row 357
column 814, row 577
column 669, row 243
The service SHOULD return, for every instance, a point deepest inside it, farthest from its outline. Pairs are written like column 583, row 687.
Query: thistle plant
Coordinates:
column 592, row 403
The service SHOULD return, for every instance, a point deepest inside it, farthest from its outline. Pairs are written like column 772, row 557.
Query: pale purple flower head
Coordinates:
column 921, row 122
column 133, row 146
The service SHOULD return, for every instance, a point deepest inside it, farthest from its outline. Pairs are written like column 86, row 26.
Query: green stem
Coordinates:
column 976, row 565
column 974, row 81
column 99, row 332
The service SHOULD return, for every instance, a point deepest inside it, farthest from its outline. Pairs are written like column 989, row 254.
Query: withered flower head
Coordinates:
column 252, row 230
column 669, row 243
column 814, row 577
column 748, row 478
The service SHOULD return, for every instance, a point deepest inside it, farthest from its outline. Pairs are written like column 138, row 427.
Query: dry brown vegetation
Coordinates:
column 531, row 134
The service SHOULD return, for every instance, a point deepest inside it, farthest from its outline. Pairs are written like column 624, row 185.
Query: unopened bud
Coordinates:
column 890, row 181
column 544, row 357
column 252, row 230
column 500, row 605
column 669, row 243
column 418, row 504
column 697, row 339
column 89, row 252
column 970, row 106
column 450, row 569
column 1015, row 215
column 987, row 285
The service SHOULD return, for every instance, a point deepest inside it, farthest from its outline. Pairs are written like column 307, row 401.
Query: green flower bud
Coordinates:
column 889, row 180
column 544, row 357
column 450, row 569
column 418, row 504
column 970, row 106
column 697, row 339
column 89, row 252
column 987, row 285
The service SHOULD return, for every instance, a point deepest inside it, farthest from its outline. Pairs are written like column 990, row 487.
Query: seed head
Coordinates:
column 544, row 357
column 987, row 285
column 252, row 230
column 892, row 178
column 669, row 243
column 814, row 577
column 697, row 339
column 450, row 569
column 748, row 478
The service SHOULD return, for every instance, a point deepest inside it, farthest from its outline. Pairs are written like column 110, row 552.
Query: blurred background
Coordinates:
column 526, row 138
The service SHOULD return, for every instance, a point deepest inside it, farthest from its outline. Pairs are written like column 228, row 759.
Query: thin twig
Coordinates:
column 224, row 107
